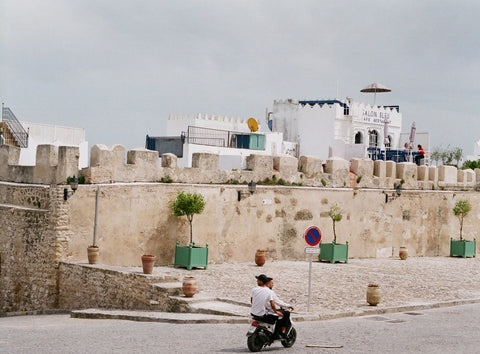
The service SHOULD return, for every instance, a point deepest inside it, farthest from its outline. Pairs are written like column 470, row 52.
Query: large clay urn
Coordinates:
column 403, row 253
column 189, row 286
column 148, row 260
column 260, row 258
column 93, row 253
column 373, row 295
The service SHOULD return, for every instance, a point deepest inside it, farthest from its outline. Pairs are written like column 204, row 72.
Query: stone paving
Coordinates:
column 341, row 288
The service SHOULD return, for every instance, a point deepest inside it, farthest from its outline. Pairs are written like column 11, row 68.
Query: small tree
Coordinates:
column 461, row 210
column 188, row 204
column 336, row 214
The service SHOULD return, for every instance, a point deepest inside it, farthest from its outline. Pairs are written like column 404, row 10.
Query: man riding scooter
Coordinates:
column 260, row 296
column 283, row 321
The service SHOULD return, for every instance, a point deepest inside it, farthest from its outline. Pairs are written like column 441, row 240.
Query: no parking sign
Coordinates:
column 313, row 236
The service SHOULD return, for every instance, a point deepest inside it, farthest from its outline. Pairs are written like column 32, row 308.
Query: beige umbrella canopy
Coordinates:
column 375, row 87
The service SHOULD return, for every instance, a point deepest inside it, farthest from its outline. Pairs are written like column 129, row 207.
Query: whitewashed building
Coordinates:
column 231, row 138
column 327, row 128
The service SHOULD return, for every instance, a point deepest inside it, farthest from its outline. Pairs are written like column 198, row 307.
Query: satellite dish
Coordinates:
column 252, row 124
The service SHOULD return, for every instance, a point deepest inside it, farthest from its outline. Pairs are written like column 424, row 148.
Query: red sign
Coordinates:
column 313, row 236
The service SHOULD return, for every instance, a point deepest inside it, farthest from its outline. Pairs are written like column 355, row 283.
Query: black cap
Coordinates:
column 263, row 278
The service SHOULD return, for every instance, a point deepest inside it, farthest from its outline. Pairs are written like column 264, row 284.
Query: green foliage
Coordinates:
column 323, row 182
column 81, row 180
column 447, row 155
column 359, row 178
column 335, row 214
column 461, row 210
column 471, row 164
column 166, row 179
column 188, row 204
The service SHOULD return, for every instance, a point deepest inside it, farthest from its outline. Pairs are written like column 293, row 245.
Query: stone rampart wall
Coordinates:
column 53, row 164
column 134, row 219
column 28, row 276
column 113, row 164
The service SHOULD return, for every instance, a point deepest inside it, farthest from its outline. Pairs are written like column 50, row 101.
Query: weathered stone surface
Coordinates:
column 380, row 169
column 407, row 171
column 433, row 174
column 205, row 161
column 169, row 160
column 262, row 164
column 362, row 167
column 447, row 174
column 335, row 164
column 422, row 173
column 40, row 229
column 287, row 165
column 310, row 165
column 391, row 169
column 9, row 155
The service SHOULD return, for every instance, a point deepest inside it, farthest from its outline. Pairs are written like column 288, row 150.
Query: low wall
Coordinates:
column 91, row 286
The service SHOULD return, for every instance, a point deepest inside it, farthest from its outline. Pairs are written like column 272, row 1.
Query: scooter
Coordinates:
column 261, row 334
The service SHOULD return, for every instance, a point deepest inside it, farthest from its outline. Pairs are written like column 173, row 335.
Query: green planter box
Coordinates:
column 333, row 252
column 463, row 248
column 191, row 256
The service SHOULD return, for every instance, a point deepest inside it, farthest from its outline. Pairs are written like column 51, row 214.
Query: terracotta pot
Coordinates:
column 403, row 253
column 373, row 295
column 260, row 258
column 189, row 286
column 148, row 260
column 92, row 253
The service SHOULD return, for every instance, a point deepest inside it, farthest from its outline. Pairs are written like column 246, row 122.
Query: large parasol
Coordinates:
column 386, row 141
column 412, row 136
column 375, row 87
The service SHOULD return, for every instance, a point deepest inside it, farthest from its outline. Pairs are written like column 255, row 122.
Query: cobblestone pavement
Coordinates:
column 340, row 288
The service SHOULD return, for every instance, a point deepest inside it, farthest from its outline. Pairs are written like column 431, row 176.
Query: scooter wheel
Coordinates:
column 292, row 337
column 255, row 343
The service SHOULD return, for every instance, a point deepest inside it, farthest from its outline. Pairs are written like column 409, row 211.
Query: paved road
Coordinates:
column 446, row 330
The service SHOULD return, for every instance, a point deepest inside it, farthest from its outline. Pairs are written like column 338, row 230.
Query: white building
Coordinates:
column 28, row 136
column 230, row 138
column 327, row 128
column 39, row 134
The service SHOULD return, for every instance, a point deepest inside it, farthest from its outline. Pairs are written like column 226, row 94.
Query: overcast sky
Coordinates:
column 118, row 68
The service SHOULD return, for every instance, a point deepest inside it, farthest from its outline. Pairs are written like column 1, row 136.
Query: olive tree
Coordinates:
column 335, row 214
column 461, row 210
column 188, row 204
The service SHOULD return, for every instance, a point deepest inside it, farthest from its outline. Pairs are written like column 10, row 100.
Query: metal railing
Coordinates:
column 210, row 137
column 15, row 127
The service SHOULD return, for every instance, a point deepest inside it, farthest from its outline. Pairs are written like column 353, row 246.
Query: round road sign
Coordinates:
column 313, row 236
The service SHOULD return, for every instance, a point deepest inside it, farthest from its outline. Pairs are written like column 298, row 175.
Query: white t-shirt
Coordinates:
column 261, row 295
column 278, row 302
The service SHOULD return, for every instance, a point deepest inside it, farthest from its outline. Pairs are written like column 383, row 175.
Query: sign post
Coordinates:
column 312, row 238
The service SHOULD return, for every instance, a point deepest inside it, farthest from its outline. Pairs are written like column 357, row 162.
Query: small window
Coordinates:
column 359, row 138
column 373, row 139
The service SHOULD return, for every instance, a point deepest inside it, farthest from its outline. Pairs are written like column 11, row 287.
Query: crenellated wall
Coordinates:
column 113, row 164
column 53, row 164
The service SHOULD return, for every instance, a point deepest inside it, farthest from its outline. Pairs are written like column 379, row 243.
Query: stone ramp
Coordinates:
column 214, row 306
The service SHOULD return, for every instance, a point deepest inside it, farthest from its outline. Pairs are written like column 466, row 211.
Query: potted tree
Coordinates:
column 190, row 256
column 334, row 252
column 462, row 247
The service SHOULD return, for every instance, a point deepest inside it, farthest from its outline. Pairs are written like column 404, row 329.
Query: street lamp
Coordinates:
column 252, row 187
column 74, row 185
column 395, row 195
